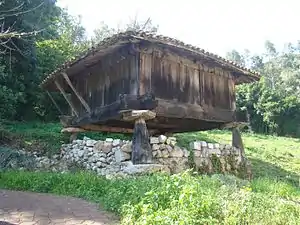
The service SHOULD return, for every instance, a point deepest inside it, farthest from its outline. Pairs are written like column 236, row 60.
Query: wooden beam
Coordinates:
column 66, row 97
column 104, row 128
column 175, row 109
column 72, row 130
column 54, row 102
column 112, row 111
column 130, row 115
column 101, row 128
column 239, row 125
column 83, row 102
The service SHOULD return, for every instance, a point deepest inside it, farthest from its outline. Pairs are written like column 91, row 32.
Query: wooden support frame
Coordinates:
column 66, row 97
column 54, row 102
column 83, row 102
column 101, row 128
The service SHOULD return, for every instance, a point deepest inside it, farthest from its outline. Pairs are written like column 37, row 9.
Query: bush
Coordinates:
column 178, row 199
column 11, row 159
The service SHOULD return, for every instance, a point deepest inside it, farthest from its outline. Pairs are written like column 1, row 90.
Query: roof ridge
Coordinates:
column 146, row 34
column 195, row 48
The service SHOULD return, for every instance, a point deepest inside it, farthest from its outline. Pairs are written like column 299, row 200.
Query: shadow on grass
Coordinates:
column 268, row 170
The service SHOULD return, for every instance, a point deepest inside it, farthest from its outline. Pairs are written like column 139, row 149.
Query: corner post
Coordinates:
column 141, row 148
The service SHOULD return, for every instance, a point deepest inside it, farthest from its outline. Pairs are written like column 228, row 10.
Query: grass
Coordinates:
column 273, row 197
column 179, row 199
column 41, row 137
column 271, row 156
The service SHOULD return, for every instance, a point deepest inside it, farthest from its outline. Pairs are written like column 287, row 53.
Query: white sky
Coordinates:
column 215, row 25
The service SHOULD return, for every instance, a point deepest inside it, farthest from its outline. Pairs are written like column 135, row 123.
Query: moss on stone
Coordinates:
column 216, row 163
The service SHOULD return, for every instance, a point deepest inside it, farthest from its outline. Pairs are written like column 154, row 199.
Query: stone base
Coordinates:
column 131, row 169
column 175, row 165
column 112, row 157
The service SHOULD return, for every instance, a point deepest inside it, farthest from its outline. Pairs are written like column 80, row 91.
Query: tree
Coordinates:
column 134, row 25
column 36, row 37
column 273, row 103
column 51, row 53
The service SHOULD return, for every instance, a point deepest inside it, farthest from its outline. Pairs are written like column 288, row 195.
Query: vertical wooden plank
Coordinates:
column 182, row 83
column 232, row 94
column 156, row 74
column 106, row 85
column 177, row 86
column 126, row 70
column 201, row 84
column 221, row 91
column 134, row 75
column 163, row 79
column 206, row 86
column 143, row 65
column 196, row 86
column 214, row 87
column 169, row 80
column 174, row 75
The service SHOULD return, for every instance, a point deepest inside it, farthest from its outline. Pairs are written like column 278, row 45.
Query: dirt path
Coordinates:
column 26, row 208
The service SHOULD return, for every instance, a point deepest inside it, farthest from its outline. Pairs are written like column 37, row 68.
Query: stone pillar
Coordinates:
column 141, row 148
column 237, row 140
column 73, row 137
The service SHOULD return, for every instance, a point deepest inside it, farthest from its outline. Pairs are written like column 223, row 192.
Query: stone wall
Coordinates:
column 219, row 158
column 112, row 156
column 109, row 157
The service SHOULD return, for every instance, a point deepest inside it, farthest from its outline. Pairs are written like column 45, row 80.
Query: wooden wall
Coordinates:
column 101, row 84
column 181, row 80
column 194, row 85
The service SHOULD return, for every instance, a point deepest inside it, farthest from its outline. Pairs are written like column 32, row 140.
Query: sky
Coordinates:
column 217, row 26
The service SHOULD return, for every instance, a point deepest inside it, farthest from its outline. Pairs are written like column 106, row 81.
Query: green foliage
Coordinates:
column 271, row 156
column 178, row 199
column 18, row 75
column 11, row 159
column 43, row 137
column 273, row 104
column 25, row 60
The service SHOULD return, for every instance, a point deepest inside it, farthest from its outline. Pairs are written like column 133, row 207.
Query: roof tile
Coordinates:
column 129, row 35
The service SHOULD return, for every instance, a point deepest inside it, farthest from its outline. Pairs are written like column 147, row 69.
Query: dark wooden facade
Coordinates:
column 188, row 88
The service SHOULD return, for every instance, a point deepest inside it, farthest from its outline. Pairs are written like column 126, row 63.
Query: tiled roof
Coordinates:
column 129, row 36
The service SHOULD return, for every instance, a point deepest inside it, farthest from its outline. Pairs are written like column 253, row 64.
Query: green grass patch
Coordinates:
column 42, row 137
column 273, row 197
column 272, row 157
column 179, row 199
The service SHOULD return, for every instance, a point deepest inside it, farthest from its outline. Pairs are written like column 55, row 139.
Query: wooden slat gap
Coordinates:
column 66, row 97
column 83, row 102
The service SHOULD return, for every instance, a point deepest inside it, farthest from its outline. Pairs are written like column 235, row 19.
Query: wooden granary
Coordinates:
column 132, row 75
